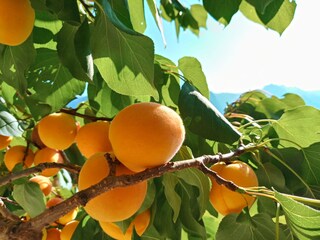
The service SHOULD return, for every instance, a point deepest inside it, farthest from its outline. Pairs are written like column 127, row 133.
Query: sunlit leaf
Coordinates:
column 124, row 58
column 302, row 220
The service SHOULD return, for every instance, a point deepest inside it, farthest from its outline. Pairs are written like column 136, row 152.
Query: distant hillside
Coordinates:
column 311, row 98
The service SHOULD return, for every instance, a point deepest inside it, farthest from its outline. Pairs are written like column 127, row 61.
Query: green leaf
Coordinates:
column 202, row 118
column 66, row 10
column 9, row 125
column 302, row 220
column 222, row 10
column 300, row 125
column 136, row 10
column 52, row 84
column 124, row 58
column 260, row 5
column 242, row 227
column 199, row 14
column 276, row 16
column 157, row 18
column 30, row 197
column 14, row 62
column 74, row 50
column 196, row 178
column 86, row 227
column 192, row 71
column 174, row 200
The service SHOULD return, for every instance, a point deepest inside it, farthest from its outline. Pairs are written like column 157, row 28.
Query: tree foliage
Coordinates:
column 98, row 49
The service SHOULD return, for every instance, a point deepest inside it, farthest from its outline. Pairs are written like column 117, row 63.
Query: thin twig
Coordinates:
column 75, row 113
column 6, row 213
column 36, row 169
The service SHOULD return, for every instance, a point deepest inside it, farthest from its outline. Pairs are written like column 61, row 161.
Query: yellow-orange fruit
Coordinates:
column 48, row 155
column 226, row 201
column 66, row 218
column 117, row 204
column 57, row 130
column 5, row 141
column 44, row 183
column 35, row 138
column 16, row 21
column 53, row 234
column 18, row 154
column 93, row 137
column 145, row 135
column 68, row 230
column 140, row 223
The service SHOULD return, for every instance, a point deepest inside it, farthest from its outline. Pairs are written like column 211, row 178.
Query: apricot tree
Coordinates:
column 62, row 157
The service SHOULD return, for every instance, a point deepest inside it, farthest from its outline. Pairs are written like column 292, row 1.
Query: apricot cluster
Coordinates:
column 141, row 136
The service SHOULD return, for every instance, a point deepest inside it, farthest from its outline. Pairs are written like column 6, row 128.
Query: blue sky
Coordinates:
column 245, row 56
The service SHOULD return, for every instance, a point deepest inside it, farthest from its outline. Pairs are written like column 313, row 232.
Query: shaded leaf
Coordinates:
column 74, row 51
column 202, row 118
column 174, row 200
column 222, row 10
column 14, row 62
column 52, row 84
column 30, row 197
column 241, row 227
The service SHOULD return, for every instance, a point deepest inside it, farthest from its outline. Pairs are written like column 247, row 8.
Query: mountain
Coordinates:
column 311, row 98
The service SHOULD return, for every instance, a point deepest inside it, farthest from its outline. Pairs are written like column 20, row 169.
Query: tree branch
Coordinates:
column 81, row 198
column 36, row 169
column 75, row 113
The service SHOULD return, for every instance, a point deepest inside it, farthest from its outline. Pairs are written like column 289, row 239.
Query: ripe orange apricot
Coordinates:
column 145, row 135
column 57, row 130
column 226, row 201
column 48, row 155
column 16, row 21
column 53, row 234
column 35, row 138
column 18, row 154
column 5, row 141
column 140, row 223
column 66, row 218
column 44, row 183
column 68, row 230
column 93, row 137
column 117, row 204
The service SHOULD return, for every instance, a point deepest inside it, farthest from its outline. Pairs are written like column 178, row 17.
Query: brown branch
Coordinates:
column 6, row 214
column 75, row 113
column 81, row 198
column 36, row 169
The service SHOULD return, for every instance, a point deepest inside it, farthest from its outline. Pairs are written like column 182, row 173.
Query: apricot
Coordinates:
column 68, row 230
column 226, row 201
column 5, row 141
column 93, row 137
column 57, row 130
column 16, row 21
column 140, row 223
column 114, row 205
column 48, row 155
column 44, row 183
column 53, row 234
column 145, row 135
column 35, row 138
column 67, row 217
column 18, row 154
